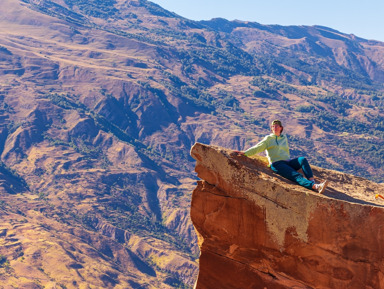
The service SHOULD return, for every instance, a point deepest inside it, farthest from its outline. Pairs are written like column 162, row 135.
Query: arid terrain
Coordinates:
column 101, row 101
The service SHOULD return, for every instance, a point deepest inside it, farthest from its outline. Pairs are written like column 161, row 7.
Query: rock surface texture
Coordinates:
column 258, row 230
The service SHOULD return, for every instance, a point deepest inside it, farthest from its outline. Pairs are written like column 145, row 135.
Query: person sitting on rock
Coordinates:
column 276, row 145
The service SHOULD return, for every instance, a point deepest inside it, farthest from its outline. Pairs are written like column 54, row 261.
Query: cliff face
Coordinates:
column 258, row 230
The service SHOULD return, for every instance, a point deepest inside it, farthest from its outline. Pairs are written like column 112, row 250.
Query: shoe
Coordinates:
column 321, row 187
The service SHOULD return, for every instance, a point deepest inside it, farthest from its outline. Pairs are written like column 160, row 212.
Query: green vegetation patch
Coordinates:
column 95, row 8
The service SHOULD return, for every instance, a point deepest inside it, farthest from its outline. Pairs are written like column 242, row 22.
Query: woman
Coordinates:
column 276, row 145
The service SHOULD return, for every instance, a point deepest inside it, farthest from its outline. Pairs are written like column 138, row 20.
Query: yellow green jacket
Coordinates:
column 276, row 146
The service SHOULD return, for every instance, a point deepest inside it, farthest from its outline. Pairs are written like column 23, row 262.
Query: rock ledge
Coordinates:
column 258, row 230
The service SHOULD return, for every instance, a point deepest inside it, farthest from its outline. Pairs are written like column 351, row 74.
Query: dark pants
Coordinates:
column 289, row 170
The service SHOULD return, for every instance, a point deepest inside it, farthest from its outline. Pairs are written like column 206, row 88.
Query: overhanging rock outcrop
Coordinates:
column 258, row 230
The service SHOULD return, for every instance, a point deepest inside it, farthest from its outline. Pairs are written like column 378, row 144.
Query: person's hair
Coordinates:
column 276, row 121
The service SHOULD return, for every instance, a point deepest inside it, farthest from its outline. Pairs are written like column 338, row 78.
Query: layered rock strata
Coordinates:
column 258, row 230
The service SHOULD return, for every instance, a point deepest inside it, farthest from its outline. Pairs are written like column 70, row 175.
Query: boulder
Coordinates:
column 259, row 230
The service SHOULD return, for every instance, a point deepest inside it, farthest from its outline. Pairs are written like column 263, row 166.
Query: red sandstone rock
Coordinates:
column 258, row 230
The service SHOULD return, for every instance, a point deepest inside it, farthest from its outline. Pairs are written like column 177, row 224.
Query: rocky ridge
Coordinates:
column 258, row 230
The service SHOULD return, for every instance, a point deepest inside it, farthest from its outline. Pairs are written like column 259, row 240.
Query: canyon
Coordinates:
column 101, row 101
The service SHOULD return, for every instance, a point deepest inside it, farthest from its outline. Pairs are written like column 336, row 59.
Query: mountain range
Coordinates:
column 101, row 101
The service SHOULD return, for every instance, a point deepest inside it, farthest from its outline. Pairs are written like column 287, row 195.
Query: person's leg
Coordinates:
column 284, row 169
column 302, row 163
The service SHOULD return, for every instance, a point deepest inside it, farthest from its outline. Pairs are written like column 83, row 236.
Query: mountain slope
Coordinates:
column 102, row 100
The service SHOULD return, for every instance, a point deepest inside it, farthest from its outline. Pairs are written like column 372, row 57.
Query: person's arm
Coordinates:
column 260, row 147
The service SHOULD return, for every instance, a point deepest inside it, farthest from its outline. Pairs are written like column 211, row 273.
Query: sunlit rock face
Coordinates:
column 258, row 230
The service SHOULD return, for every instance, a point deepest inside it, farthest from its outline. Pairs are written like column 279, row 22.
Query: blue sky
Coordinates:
column 362, row 18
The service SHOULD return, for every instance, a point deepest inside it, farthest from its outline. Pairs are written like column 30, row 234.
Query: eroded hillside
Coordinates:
column 100, row 102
